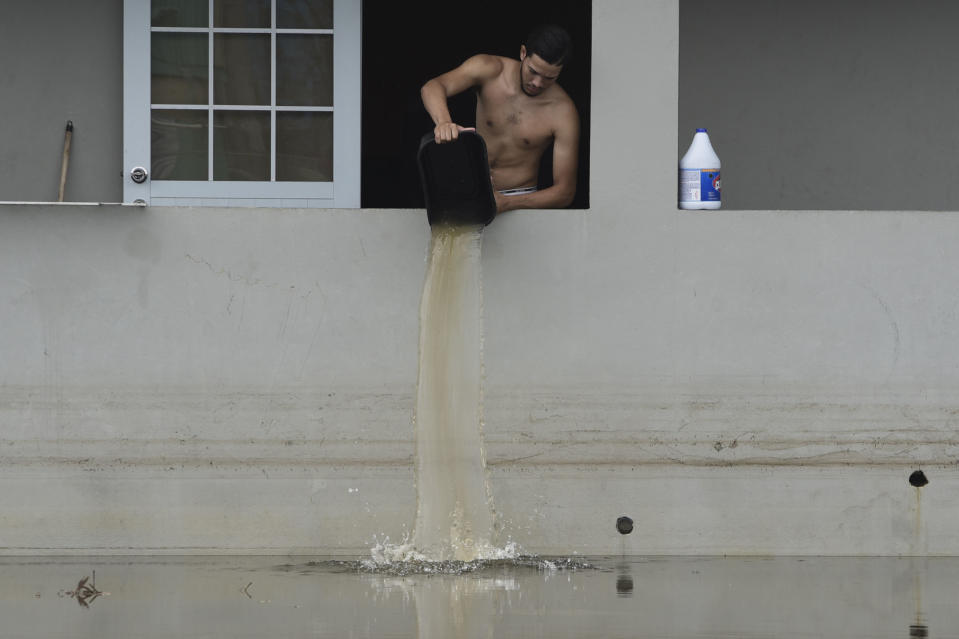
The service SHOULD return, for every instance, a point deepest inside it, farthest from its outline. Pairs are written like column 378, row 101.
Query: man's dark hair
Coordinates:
column 550, row 42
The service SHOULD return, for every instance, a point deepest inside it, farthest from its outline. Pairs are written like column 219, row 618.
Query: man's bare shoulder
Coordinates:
column 562, row 100
column 484, row 66
column 562, row 106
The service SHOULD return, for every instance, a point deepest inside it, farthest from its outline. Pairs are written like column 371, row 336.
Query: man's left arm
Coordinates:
column 565, row 160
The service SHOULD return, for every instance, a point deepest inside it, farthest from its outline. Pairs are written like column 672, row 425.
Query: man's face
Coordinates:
column 535, row 74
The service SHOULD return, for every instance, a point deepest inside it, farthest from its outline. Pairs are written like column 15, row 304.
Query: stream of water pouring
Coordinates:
column 455, row 530
column 454, row 513
column 455, row 526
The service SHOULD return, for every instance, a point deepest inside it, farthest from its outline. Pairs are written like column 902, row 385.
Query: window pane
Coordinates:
column 178, row 144
column 241, row 14
column 304, row 147
column 304, row 14
column 241, row 69
column 179, row 68
column 241, row 145
column 179, row 13
column 304, row 70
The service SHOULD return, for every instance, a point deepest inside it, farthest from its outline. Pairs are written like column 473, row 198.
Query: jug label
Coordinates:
column 711, row 185
column 689, row 185
column 699, row 185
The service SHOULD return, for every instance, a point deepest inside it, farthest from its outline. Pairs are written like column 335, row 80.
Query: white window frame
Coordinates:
column 343, row 192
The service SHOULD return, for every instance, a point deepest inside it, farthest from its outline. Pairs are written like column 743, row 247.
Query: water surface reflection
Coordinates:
column 528, row 597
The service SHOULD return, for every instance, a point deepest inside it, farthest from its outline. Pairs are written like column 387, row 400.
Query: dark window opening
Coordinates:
column 406, row 44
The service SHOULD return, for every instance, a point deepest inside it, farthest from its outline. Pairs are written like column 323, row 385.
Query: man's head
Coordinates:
column 547, row 50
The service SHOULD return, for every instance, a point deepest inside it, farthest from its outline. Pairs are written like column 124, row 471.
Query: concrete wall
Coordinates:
column 62, row 61
column 824, row 105
column 213, row 380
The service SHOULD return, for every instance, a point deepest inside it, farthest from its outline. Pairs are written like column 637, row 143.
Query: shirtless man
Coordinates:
column 519, row 110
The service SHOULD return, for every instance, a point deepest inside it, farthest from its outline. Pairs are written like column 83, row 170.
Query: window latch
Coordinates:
column 138, row 175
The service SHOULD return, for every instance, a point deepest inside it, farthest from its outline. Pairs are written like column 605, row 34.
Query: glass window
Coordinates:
column 245, row 99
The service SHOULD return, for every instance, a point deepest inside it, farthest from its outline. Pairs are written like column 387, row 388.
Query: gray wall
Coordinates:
column 825, row 105
column 61, row 61
column 187, row 380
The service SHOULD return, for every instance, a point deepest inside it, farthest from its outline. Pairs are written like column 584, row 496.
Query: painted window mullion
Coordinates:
column 179, row 29
column 314, row 109
column 183, row 107
column 241, row 30
column 305, row 31
column 273, row 91
column 242, row 107
column 210, row 54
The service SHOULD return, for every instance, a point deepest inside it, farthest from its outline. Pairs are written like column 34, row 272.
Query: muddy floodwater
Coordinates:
column 529, row 597
column 454, row 511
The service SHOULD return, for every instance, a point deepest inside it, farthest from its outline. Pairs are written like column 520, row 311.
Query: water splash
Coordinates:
column 404, row 559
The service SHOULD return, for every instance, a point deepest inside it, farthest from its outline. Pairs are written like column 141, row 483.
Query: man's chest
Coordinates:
column 518, row 121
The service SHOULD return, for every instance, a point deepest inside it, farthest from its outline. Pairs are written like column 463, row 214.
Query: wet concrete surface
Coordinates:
column 203, row 597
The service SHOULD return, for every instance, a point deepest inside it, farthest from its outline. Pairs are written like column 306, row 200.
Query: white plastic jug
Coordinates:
column 699, row 183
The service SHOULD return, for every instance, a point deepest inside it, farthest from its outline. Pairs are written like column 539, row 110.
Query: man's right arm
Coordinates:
column 475, row 71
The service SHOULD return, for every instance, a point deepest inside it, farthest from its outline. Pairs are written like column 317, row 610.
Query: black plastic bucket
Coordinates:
column 456, row 180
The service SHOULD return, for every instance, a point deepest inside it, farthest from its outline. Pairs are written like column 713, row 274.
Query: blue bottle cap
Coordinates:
column 700, row 130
